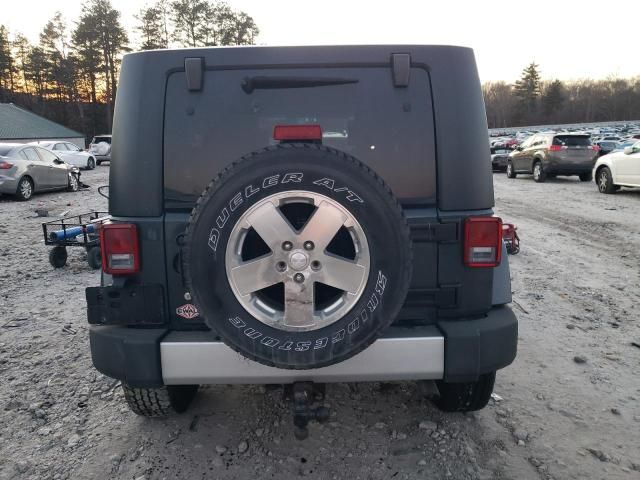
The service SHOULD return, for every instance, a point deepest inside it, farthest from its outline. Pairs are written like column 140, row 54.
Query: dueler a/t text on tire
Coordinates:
column 298, row 256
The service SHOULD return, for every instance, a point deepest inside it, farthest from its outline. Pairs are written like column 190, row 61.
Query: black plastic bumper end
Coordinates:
column 128, row 354
column 479, row 346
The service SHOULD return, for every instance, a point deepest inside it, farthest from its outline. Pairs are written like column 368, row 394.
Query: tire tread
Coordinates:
column 226, row 172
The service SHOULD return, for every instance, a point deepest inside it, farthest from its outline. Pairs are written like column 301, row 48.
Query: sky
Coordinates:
column 568, row 39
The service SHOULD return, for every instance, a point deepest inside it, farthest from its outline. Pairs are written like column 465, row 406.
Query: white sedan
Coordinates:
column 71, row 153
column 618, row 169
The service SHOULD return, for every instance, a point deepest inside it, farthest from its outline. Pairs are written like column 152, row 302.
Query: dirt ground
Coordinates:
column 568, row 408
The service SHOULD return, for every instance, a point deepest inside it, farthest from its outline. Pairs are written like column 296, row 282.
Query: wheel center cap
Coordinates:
column 298, row 260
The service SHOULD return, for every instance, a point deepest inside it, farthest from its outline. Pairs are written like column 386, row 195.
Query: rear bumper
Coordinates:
column 8, row 185
column 454, row 350
column 566, row 168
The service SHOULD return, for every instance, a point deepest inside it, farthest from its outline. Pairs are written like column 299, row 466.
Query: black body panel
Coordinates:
column 461, row 159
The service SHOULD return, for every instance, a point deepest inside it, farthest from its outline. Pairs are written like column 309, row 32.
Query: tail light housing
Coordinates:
column 119, row 248
column 594, row 147
column 5, row 165
column 557, row 148
column 297, row 133
column 482, row 241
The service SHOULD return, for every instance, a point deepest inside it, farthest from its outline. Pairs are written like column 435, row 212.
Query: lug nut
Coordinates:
column 287, row 246
column 308, row 245
column 281, row 266
column 298, row 278
column 315, row 265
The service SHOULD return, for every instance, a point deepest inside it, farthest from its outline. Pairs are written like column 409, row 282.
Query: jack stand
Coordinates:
column 304, row 396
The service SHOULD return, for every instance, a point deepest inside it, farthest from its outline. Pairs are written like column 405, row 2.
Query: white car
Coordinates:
column 618, row 169
column 71, row 153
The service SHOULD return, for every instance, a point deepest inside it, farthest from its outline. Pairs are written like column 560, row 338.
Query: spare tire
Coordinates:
column 298, row 256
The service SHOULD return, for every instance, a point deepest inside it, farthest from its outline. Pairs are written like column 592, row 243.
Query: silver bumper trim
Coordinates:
column 187, row 359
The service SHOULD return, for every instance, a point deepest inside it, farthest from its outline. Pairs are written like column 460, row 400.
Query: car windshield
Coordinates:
column 572, row 140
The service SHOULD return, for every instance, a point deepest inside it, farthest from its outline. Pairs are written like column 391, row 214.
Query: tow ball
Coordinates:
column 306, row 398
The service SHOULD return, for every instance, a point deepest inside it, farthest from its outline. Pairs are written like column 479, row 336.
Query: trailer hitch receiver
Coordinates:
column 306, row 398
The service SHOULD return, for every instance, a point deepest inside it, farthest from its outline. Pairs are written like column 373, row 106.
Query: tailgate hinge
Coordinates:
column 401, row 66
column 193, row 68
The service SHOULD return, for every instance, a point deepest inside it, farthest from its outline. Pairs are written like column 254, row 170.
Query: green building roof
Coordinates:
column 17, row 123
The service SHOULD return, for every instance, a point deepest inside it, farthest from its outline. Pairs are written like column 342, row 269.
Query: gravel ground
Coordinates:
column 567, row 408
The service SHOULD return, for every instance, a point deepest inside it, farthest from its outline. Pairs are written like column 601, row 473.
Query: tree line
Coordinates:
column 532, row 101
column 70, row 75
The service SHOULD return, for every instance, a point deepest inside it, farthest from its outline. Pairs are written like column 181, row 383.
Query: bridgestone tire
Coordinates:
column 159, row 402
column 465, row 397
column 318, row 170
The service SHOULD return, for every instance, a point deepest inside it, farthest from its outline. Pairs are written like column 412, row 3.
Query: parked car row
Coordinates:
column 36, row 167
column 609, row 154
column 546, row 155
column 26, row 169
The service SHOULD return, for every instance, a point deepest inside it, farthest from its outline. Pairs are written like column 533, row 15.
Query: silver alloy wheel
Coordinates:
column 298, row 259
column 536, row 171
column 602, row 181
column 26, row 190
column 73, row 183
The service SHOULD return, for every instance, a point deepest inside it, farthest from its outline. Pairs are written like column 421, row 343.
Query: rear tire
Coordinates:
column 586, row 177
column 98, row 162
column 604, row 180
column 159, row 402
column 58, row 257
column 465, row 397
column 94, row 258
column 511, row 173
column 25, row 189
column 538, row 173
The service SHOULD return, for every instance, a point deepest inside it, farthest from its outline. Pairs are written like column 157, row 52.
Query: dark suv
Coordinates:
column 309, row 215
column 551, row 154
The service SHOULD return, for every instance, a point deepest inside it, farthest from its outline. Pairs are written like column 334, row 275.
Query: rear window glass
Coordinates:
column 5, row 150
column 102, row 139
column 572, row 140
column 368, row 118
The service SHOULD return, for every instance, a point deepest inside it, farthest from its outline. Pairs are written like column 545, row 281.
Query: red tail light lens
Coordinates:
column 482, row 241
column 5, row 165
column 556, row 148
column 297, row 132
column 594, row 147
column 119, row 248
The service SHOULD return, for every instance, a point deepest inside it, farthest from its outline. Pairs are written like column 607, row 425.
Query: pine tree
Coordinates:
column 6, row 61
column 152, row 28
column 527, row 89
column 553, row 98
column 100, row 19
column 190, row 19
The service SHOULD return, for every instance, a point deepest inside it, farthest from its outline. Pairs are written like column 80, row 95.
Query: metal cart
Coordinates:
column 74, row 231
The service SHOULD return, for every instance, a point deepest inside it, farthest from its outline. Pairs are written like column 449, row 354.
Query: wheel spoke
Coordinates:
column 298, row 304
column 271, row 225
column 323, row 225
column 255, row 275
column 342, row 274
